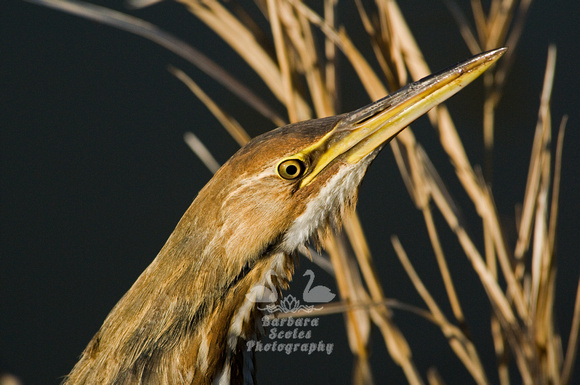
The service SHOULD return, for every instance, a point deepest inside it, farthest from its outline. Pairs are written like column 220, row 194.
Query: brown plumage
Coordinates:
column 185, row 319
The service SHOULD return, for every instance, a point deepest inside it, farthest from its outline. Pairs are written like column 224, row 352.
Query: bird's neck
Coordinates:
column 186, row 318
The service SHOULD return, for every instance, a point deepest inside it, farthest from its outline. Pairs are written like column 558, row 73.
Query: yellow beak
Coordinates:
column 364, row 130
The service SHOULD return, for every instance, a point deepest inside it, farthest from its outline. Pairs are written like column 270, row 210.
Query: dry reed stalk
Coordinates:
column 458, row 341
column 522, row 323
column 229, row 123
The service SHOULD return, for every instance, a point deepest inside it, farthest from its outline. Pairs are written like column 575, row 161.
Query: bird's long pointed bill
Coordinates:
column 364, row 130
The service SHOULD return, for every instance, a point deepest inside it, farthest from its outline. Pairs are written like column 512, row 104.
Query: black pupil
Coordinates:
column 291, row 169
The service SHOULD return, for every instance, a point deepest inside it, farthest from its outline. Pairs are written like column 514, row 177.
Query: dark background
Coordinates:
column 95, row 175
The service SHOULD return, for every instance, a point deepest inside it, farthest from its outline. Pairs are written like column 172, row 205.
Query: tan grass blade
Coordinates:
column 305, row 45
column 461, row 345
column 321, row 261
column 386, row 50
column 434, row 377
column 201, row 151
column 361, row 249
column 243, row 42
column 556, row 184
column 230, row 124
column 499, row 21
column 367, row 76
column 534, row 174
column 392, row 46
column 512, row 41
column 283, row 61
column 400, row 159
column 396, row 343
column 464, row 27
column 480, row 19
column 358, row 325
column 498, row 24
column 397, row 346
column 542, row 266
column 330, row 74
column 501, row 352
column 339, row 307
column 532, row 186
column 442, row 263
column 136, row 4
column 572, row 348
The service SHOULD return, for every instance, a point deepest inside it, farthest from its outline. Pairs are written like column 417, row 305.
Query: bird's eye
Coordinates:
column 291, row 169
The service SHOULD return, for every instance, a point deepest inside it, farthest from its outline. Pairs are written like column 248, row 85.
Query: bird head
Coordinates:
column 286, row 184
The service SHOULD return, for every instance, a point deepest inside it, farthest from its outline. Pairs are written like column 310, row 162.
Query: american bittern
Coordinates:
column 186, row 318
